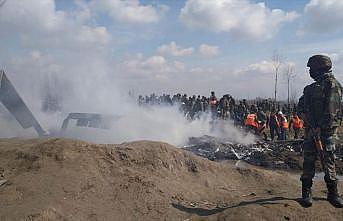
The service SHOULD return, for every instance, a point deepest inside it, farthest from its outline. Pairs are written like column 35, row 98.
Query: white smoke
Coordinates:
column 89, row 86
column 9, row 127
column 74, row 56
column 165, row 124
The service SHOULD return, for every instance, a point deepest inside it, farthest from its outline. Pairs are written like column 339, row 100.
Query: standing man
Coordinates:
column 274, row 125
column 242, row 112
column 283, row 125
column 213, row 102
column 262, row 119
column 224, row 107
column 296, row 124
column 321, row 108
column 197, row 107
column 251, row 122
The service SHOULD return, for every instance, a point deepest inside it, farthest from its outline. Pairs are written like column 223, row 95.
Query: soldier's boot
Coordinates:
column 306, row 200
column 333, row 195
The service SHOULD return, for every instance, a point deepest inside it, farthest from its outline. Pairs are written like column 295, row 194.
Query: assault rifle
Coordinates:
column 319, row 146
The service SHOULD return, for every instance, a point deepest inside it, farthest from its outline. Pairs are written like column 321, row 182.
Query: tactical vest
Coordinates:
column 322, row 102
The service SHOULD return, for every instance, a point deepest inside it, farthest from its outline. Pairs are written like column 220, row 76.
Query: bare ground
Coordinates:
column 60, row 179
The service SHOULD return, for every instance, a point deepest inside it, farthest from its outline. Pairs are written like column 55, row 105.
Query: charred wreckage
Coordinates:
column 12, row 101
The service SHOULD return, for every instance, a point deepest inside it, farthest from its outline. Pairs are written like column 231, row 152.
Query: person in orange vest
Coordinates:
column 297, row 124
column 283, row 126
column 251, row 122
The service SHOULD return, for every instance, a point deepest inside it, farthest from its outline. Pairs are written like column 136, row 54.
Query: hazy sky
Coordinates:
column 110, row 46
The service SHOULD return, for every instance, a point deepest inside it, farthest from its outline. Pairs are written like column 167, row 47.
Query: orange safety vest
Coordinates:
column 251, row 120
column 213, row 102
column 284, row 123
column 297, row 123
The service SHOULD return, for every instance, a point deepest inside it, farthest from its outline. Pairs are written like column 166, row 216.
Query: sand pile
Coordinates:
column 60, row 179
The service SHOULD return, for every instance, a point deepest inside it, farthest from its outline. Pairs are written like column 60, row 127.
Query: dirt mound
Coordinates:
column 60, row 179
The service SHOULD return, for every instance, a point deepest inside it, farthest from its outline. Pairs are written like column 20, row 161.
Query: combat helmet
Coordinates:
column 319, row 62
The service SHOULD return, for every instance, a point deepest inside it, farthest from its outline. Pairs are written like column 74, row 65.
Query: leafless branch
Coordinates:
column 277, row 61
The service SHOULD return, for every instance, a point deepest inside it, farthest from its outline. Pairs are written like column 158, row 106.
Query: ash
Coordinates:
column 286, row 155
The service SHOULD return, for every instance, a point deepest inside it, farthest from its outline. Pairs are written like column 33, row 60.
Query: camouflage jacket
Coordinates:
column 321, row 103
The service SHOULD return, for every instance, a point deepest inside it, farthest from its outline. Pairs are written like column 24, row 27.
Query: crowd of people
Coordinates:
column 254, row 116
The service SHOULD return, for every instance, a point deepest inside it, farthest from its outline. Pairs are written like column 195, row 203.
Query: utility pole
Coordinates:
column 290, row 74
column 276, row 59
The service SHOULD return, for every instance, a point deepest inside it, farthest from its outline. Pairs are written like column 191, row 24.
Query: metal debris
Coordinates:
column 90, row 120
column 280, row 154
column 16, row 106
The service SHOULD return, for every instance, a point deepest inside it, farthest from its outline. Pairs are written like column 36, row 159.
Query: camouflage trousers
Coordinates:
column 310, row 157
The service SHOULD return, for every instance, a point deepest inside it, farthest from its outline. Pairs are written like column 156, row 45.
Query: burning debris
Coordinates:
column 277, row 155
column 214, row 148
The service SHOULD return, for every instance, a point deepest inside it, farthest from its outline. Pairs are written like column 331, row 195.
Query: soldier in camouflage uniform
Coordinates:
column 320, row 107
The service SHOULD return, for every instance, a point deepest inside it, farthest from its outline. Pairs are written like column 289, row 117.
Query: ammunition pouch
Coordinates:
column 329, row 144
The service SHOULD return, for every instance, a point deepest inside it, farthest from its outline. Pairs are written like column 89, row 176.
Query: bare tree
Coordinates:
column 277, row 61
column 289, row 75
column 294, row 95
